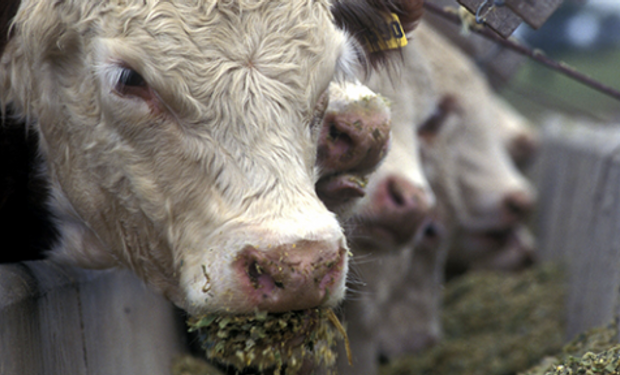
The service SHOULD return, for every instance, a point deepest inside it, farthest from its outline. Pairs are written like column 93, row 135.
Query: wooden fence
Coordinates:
column 578, row 177
column 61, row 320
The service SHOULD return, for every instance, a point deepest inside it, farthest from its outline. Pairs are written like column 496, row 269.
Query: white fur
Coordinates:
column 467, row 164
column 393, row 304
column 219, row 157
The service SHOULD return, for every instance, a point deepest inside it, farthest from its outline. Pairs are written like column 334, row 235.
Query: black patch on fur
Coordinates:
column 26, row 227
column 8, row 9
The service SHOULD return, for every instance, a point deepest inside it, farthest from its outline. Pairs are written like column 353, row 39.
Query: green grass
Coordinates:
column 536, row 88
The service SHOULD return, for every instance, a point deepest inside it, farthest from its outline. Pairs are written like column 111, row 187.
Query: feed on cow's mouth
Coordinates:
column 264, row 341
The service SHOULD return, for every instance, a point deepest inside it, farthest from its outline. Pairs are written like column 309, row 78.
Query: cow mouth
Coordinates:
column 368, row 232
column 265, row 341
column 494, row 238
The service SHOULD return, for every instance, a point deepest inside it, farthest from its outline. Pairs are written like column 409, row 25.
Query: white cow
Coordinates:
column 180, row 138
column 393, row 303
column 394, row 308
column 467, row 160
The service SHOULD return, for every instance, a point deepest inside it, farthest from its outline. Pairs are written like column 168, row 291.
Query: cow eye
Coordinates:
column 131, row 78
column 131, row 83
column 434, row 123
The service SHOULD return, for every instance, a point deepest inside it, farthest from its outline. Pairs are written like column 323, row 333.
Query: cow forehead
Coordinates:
column 278, row 39
column 210, row 26
column 207, row 54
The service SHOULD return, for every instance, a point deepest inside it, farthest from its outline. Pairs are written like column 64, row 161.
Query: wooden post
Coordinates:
column 578, row 175
column 499, row 18
column 534, row 12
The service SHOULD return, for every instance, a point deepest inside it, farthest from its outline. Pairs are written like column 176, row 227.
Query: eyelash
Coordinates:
column 129, row 83
column 131, row 78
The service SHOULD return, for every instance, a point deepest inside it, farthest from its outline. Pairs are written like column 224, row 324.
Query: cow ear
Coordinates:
column 430, row 128
column 409, row 11
column 378, row 25
column 8, row 9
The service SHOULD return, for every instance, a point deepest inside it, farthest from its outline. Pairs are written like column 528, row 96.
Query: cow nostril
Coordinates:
column 333, row 131
column 528, row 261
column 518, row 205
column 395, row 193
column 431, row 231
column 254, row 271
column 523, row 149
column 261, row 277
column 514, row 208
column 383, row 359
column 337, row 135
column 430, row 234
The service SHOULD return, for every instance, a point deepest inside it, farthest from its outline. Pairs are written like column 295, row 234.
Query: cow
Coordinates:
column 517, row 249
column 396, row 270
column 180, row 138
column 468, row 163
column 398, row 265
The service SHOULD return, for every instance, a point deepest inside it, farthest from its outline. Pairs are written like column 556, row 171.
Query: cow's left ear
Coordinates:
column 409, row 11
column 8, row 9
column 378, row 25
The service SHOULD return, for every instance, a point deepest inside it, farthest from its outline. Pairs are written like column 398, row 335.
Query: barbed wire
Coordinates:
column 534, row 54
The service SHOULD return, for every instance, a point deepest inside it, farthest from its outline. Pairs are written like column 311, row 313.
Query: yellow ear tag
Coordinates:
column 389, row 35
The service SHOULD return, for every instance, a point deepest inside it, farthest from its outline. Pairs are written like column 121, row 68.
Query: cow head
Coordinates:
column 180, row 138
column 469, row 164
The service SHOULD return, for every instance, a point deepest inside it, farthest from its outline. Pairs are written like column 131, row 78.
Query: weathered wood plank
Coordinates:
column 497, row 62
column 64, row 320
column 500, row 19
column 534, row 12
column 59, row 317
column 19, row 331
column 578, row 176
column 146, row 330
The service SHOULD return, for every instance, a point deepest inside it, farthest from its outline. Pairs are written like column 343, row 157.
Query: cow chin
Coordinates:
column 294, row 265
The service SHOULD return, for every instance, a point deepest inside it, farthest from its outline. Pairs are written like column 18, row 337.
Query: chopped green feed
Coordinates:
column 189, row 365
column 606, row 362
column 594, row 352
column 494, row 324
column 283, row 342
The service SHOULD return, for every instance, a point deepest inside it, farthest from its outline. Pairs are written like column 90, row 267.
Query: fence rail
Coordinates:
column 63, row 320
